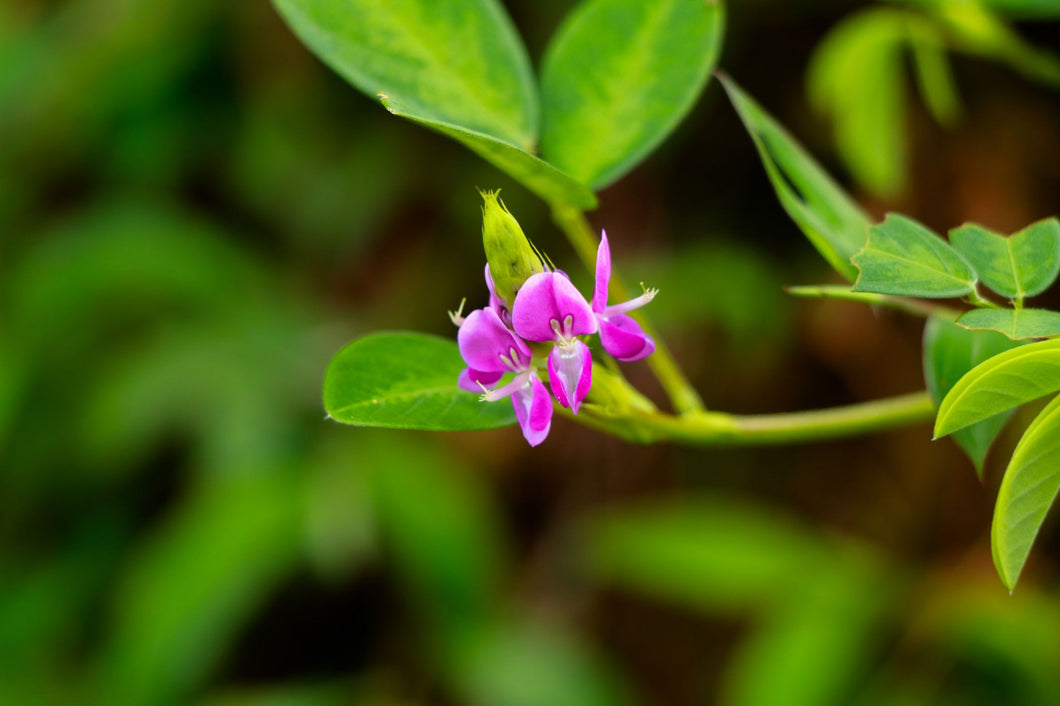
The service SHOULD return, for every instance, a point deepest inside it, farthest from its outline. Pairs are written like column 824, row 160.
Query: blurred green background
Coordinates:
column 195, row 215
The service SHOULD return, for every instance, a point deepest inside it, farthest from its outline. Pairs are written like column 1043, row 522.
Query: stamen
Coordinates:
column 632, row 304
column 457, row 316
column 508, row 360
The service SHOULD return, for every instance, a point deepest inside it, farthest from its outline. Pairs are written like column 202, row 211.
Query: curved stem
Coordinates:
column 720, row 429
column 682, row 395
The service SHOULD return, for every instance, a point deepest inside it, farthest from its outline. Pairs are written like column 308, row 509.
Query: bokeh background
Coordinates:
column 195, row 215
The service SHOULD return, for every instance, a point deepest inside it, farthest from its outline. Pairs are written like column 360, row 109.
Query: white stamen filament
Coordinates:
column 457, row 316
column 519, row 381
column 632, row 304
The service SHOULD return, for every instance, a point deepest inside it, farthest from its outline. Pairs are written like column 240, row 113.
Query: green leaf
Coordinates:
column 949, row 352
column 536, row 175
column 1017, row 324
column 618, row 77
column 999, row 384
column 904, row 258
column 826, row 215
column 458, row 62
column 406, row 381
column 1028, row 489
column 1018, row 266
column 933, row 73
column 856, row 76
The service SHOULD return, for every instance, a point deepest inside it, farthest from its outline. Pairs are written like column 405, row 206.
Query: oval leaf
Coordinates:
column 618, row 77
column 454, row 61
column 1017, row 324
column 536, row 175
column 1001, row 383
column 826, row 215
column 1017, row 266
column 1029, row 487
column 949, row 352
column 406, row 381
column 904, row 258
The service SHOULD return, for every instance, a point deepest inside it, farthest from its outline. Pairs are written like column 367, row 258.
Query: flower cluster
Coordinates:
column 550, row 312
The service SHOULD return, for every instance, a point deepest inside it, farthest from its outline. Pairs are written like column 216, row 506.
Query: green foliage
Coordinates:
column 1027, row 491
column 617, row 78
column 406, row 381
column 999, row 384
column 1017, row 324
column 826, row 215
column 949, row 353
column 855, row 76
column 458, row 63
column 1017, row 266
column 536, row 175
column 904, row 258
column 458, row 68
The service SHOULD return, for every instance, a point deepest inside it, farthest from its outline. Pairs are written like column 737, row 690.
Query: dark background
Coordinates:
column 195, row 215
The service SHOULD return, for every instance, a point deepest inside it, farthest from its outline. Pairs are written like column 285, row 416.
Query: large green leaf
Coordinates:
column 406, row 381
column 949, row 353
column 459, row 62
column 999, row 384
column 904, row 258
column 1018, row 266
column 826, row 215
column 536, row 175
column 1017, row 324
column 618, row 77
column 1028, row 489
column 856, row 76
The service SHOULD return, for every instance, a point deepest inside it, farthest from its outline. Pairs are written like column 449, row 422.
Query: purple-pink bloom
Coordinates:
column 620, row 335
column 549, row 308
column 490, row 350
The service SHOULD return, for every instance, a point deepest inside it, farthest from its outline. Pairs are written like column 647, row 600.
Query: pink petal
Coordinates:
column 533, row 410
column 470, row 378
column 484, row 340
column 570, row 372
column 548, row 297
column 496, row 303
column 623, row 338
column 603, row 273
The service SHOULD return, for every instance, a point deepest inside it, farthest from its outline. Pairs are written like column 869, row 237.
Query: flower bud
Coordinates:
column 511, row 257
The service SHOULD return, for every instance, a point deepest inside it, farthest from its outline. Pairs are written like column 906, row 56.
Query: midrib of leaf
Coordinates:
column 1015, row 274
column 428, row 50
column 920, row 265
column 398, row 397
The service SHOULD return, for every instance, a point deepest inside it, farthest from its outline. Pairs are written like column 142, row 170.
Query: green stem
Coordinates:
column 916, row 307
column 682, row 395
column 720, row 429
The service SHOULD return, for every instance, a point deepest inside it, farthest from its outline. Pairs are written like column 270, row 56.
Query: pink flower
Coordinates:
column 620, row 335
column 549, row 308
column 490, row 350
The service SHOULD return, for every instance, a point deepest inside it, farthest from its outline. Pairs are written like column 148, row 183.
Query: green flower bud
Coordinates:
column 511, row 256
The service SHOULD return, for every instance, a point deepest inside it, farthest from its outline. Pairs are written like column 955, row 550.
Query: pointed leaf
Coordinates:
column 1018, row 266
column 536, row 175
column 458, row 62
column 1005, row 381
column 856, row 76
column 826, row 215
column 618, row 77
column 406, row 381
column 1028, row 489
column 904, row 258
column 949, row 352
column 1017, row 324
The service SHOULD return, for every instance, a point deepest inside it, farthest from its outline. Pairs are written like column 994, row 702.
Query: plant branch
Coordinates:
column 682, row 395
column 721, row 429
